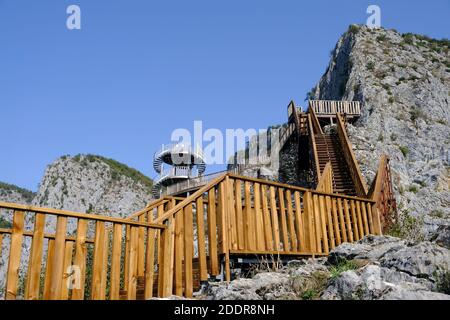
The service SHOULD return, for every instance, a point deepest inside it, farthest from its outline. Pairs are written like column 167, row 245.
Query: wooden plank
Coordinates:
column 376, row 219
column 49, row 269
column 365, row 220
column 80, row 259
column 99, row 267
column 284, row 231
column 132, row 264
column 274, row 214
column 337, row 232
column 179, row 252
column 266, row 219
column 58, row 259
column 354, row 221
column 201, row 240
column 249, row 231
column 212, row 233
column 309, row 222
column 360, row 220
column 323, row 219
column 12, row 279
column 127, row 256
column 165, row 276
column 299, row 222
column 369, row 216
column 114, row 293
column 231, row 215
column 35, row 262
column 317, row 223
column 223, row 186
column 68, row 252
column 258, row 218
column 188, row 251
column 239, row 216
column 329, row 218
column 291, row 225
column 342, row 220
column 141, row 248
column 159, row 213
column 347, row 220
column 150, row 259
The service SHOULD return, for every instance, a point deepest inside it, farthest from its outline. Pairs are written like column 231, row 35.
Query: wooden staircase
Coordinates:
column 329, row 150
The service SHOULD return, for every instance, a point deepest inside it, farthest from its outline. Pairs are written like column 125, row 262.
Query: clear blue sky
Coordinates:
column 139, row 69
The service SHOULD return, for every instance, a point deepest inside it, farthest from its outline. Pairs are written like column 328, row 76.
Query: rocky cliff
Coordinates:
column 403, row 82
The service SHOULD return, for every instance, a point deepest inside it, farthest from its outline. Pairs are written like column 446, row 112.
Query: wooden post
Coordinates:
column 58, row 259
column 80, row 258
column 14, row 255
column 34, row 265
column 115, row 262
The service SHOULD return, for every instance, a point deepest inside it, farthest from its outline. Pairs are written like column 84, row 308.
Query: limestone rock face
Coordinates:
column 93, row 184
column 403, row 82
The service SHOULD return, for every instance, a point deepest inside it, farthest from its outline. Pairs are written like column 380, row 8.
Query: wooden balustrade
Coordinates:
column 381, row 192
column 328, row 107
column 174, row 244
column 72, row 256
column 355, row 172
column 314, row 155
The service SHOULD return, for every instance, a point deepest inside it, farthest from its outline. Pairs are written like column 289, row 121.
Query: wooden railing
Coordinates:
column 313, row 151
column 381, row 192
column 355, row 172
column 73, row 256
column 160, row 244
column 326, row 180
column 317, row 129
column 328, row 107
column 241, row 215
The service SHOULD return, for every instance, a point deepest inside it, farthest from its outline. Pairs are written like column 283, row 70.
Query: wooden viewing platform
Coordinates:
column 175, row 243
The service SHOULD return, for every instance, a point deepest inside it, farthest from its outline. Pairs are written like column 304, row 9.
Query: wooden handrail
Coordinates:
column 46, row 235
column 315, row 122
column 326, row 180
column 87, row 216
column 315, row 155
column 375, row 189
column 295, row 188
column 189, row 199
column 357, row 177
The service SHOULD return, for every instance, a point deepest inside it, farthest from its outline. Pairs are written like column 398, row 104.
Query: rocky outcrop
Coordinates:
column 403, row 83
column 93, row 184
column 375, row 268
column 12, row 193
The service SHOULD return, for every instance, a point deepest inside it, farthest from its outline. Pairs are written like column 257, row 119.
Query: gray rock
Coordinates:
column 422, row 260
column 263, row 286
column 378, row 283
column 369, row 248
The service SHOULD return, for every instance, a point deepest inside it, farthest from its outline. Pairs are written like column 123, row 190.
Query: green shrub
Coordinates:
column 443, row 282
column 404, row 150
column 353, row 29
column 391, row 100
column 413, row 189
column 342, row 266
column 407, row 227
column 5, row 224
column 381, row 38
column 408, row 38
column 370, row 65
